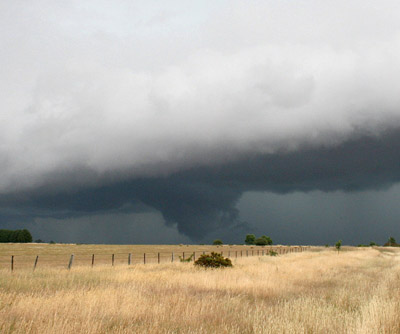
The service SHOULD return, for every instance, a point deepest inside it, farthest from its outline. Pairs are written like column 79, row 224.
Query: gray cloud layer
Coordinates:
column 124, row 90
column 183, row 106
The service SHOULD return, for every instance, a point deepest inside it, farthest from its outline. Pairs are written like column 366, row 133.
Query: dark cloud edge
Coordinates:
column 203, row 199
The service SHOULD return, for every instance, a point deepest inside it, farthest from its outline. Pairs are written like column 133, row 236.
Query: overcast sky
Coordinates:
column 184, row 121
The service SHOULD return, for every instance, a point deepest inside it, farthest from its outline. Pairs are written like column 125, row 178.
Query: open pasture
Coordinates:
column 58, row 255
column 356, row 291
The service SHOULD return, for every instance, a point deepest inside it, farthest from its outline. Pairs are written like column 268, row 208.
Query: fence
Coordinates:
column 70, row 260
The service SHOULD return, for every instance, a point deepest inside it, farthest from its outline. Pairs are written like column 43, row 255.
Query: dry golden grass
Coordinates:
column 57, row 255
column 312, row 292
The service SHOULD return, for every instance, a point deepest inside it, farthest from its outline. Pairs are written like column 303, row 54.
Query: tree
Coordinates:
column 27, row 235
column 250, row 239
column 391, row 242
column 267, row 239
column 218, row 242
column 261, row 242
column 5, row 235
column 338, row 245
column 15, row 236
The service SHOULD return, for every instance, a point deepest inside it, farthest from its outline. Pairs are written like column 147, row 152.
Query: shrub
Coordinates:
column 213, row 260
column 273, row 253
column 189, row 259
column 371, row 244
column 217, row 242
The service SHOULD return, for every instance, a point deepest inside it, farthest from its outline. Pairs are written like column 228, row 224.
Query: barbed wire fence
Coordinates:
column 69, row 260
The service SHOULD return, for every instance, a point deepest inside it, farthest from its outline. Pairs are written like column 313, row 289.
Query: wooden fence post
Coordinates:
column 144, row 258
column 12, row 262
column 35, row 264
column 158, row 255
column 112, row 260
column 236, row 254
column 194, row 256
column 129, row 259
column 183, row 255
column 172, row 257
column 71, row 259
column 92, row 260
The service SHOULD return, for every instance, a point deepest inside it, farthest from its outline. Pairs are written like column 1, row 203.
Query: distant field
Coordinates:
column 57, row 255
column 319, row 292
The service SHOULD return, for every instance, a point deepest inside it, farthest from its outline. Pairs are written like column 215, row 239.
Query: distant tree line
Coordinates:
column 15, row 236
column 250, row 240
column 261, row 241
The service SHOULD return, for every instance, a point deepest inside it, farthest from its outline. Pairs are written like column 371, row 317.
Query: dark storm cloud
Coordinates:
column 181, row 107
column 203, row 200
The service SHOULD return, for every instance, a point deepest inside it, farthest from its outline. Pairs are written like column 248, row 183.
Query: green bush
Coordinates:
column 213, row 260
column 273, row 253
column 217, row 242
column 189, row 259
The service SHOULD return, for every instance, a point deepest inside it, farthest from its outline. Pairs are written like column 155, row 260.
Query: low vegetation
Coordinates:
column 272, row 253
column 187, row 259
column 213, row 260
column 311, row 292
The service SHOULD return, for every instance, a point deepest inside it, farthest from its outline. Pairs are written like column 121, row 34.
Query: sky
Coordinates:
column 187, row 121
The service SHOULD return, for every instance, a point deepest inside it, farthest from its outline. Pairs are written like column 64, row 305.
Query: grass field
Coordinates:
column 356, row 291
column 57, row 255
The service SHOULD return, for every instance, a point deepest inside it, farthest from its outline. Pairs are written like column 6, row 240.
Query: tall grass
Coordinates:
column 313, row 292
